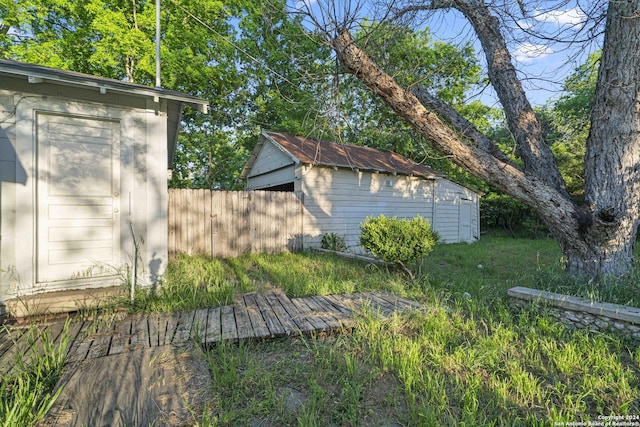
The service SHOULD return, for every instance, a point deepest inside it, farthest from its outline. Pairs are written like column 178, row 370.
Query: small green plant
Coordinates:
column 27, row 393
column 399, row 241
column 333, row 242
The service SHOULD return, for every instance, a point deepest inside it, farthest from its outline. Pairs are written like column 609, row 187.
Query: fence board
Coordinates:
column 230, row 223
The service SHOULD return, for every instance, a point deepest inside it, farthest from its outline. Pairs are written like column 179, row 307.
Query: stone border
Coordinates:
column 582, row 312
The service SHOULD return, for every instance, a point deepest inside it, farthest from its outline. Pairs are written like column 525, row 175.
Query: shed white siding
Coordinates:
column 339, row 200
column 270, row 158
column 457, row 213
column 62, row 226
column 11, row 176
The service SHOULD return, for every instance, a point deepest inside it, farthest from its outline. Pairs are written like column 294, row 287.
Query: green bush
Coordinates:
column 399, row 241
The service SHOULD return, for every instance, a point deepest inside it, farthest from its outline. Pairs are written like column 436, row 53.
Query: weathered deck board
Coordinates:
column 183, row 330
column 5, row 340
column 296, row 315
column 329, row 314
column 214, row 329
column 140, row 335
column 153, row 323
column 22, row 339
column 121, row 337
column 243, row 322
column 258, row 323
column 172, row 324
column 384, row 305
column 340, row 304
column 228, row 322
column 273, row 323
column 79, row 348
column 285, row 319
column 199, row 328
column 397, row 302
column 306, row 312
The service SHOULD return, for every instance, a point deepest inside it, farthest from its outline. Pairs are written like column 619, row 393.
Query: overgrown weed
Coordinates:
column 192, row 282
column 27, row 392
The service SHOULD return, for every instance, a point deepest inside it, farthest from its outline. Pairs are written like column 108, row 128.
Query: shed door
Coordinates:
column 465, row 220
column 78, row 211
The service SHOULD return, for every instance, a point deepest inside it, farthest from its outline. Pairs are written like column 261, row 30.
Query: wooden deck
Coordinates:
column 136, row 370
column 251, row 316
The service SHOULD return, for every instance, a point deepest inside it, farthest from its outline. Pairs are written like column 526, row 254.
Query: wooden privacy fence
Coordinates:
column 230, row 223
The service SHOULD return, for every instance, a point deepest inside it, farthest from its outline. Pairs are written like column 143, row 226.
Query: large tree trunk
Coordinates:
column 596, row 240
column 612, row 185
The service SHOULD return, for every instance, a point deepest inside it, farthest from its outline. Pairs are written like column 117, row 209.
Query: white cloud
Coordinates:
column 304, row 4
column 527, row 52
column 573, row 16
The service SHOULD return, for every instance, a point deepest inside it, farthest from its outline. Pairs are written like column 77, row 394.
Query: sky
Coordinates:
column 543, row 65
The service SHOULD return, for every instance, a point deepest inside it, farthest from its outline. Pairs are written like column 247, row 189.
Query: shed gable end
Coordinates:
column 269, row 159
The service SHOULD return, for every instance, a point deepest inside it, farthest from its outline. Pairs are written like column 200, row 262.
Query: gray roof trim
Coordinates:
column 38, row 74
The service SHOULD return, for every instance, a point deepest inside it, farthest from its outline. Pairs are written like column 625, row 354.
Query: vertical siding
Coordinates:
column 447, row 218
column 8, row 179
column 338, row 201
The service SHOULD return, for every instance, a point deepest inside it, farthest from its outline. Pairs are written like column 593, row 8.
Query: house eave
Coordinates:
column 36, row 74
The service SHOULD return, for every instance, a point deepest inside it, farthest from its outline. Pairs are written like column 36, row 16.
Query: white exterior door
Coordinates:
column 78, row 200
column 465, row 221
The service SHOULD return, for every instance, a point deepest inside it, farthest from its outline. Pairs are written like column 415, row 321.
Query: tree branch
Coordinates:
column 530, row 189
column 460, row 124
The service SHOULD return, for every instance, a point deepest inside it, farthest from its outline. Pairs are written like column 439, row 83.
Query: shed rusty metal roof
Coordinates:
column 324, row 153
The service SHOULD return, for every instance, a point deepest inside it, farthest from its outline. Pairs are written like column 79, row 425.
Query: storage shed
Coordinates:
column 83, row 161
column 343, row 184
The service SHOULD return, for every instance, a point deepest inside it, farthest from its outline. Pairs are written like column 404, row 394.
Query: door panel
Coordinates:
column 78, row 211
column 465, row 221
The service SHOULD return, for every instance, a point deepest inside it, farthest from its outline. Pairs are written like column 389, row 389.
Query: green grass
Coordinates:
column 491, row 266
column 192, row 282
column 465, row 360
column 27, row 393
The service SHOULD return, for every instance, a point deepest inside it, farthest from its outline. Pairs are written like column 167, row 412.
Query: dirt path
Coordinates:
column 159, row 386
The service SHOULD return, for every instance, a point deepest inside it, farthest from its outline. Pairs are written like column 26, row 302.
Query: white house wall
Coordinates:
column 11, row 175
column 339, row 200
column 143, row 177
column 447, row 218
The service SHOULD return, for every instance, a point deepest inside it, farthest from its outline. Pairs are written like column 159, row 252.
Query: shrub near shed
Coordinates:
column 399, row 241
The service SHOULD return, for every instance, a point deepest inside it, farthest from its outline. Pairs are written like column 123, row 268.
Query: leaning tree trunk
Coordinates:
column 597, row 240
column 612, row 162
